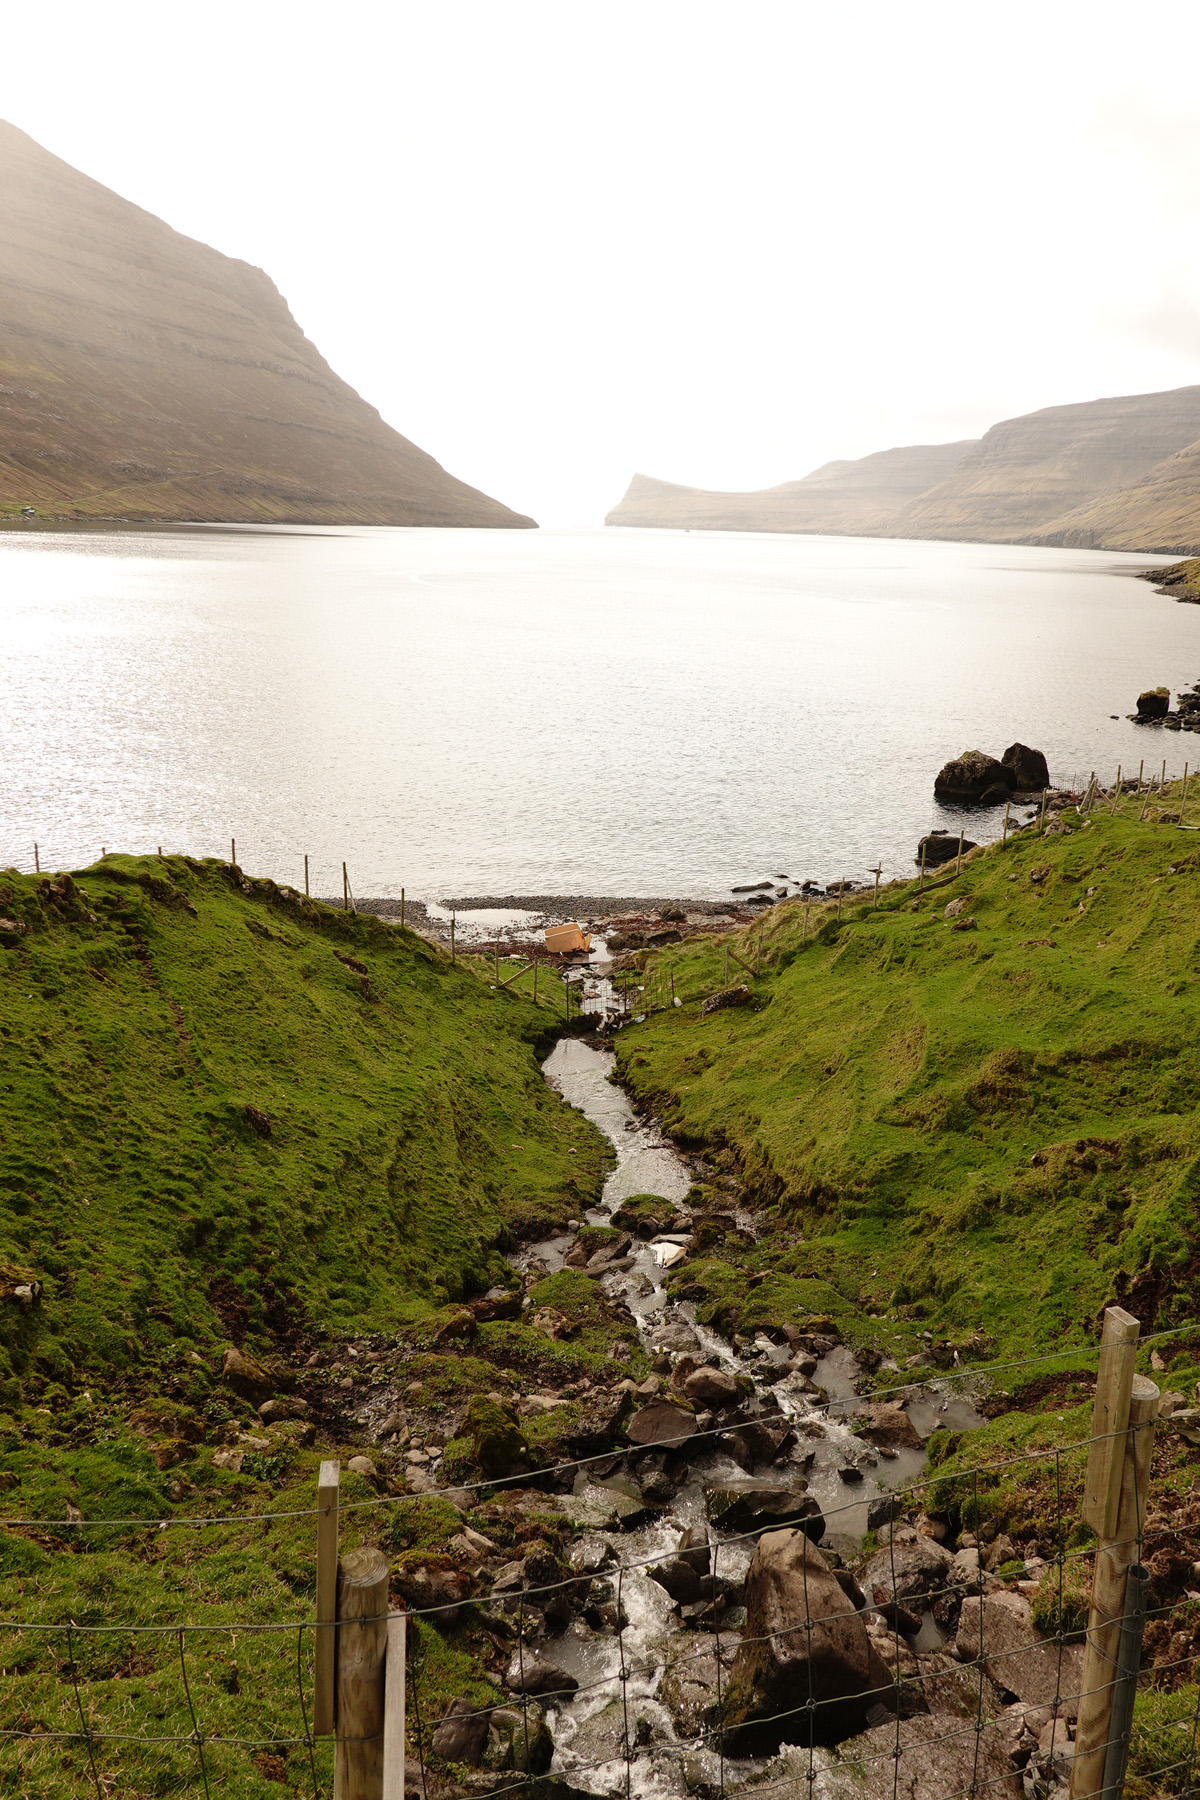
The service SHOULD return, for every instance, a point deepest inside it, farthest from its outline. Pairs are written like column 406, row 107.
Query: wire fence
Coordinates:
column 962, row 1717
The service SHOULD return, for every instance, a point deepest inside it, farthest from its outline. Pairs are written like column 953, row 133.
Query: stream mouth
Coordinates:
column 821, row 1459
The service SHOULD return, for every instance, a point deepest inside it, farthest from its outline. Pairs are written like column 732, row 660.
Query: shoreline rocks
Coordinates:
column 976, row 779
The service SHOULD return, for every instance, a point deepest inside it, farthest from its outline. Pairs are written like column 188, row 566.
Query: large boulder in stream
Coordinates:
column 909, row 1569
column 748, row 1507
column 937, row 1760
column 803, row 1642
column 662, row 1422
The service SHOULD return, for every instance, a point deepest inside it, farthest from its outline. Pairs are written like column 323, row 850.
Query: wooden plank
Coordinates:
column 362, row 1632
column 1114, row 1556
column 324, row 1706
column 737, row 959
column 1110, row 1417
column 393, row 1708
column 509, row 979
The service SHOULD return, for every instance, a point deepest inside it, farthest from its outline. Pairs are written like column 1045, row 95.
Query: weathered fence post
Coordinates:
column 325, row 1660
column 1114, row 1505
column 233, row 850
column 921, row 883
column 1116, row 790
column 451, row 937
column 727, row 965
column 1004, row 834
column 402, row 909
column 362, row 1633
column 958, row 859
column 393, row 1707
column 306, row 894
column 1183, row 801
column 37, row 867
column 877, row 871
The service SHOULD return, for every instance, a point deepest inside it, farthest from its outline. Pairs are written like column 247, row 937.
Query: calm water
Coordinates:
column 618, row 712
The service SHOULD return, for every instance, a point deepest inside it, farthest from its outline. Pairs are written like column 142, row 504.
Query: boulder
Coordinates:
column 497, row 1446
column 518, row 1740
column 938, row 1760
column 909, row 1568
column 711, row 1386
column 1000, row 1627
column 758, row 1442
column 245, row 1376
column 498, row 1303
column 888, row 1427
column 734, row 996
column 596, row 1429
column 941, row 847
column 1155, row 703
column 679, row 1579
column 1028, row 768
column 746, row 1507
column 803, row 1641
column 463, row 1734
column 662, row 1422
column 970, row 776
column 693, row 1547
column 689, row 1688
column 531, row 1674
column 272, row 1411
column 434, row 1582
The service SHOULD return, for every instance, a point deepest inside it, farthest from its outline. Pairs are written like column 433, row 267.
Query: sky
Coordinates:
column 721, row 244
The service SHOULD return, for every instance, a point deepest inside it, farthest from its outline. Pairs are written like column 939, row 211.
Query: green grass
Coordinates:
column 217, row 1127
column 968, row 1131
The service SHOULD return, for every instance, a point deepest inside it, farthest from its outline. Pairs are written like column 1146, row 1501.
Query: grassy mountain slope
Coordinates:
column 1160, row 512
column 987, row 1130
column 144, row 375
column 231, row 1114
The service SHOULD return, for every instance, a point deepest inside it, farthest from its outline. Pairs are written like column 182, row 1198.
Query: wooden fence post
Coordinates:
column 37, row 866
column 345, row 890
column 877, row 871
column 1116, row 790
column 306, row 878
column 362, row 1632
column 535, row 984
column 402, row 909
column 325, row 1661
column 1115, row 1504
column 1183, row 801
column 233, row 851
column 921, row 883
column 727, row 965
column 451, row 937
column 393, row 1707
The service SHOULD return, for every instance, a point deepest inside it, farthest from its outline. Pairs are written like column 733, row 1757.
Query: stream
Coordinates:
column 826, row 1462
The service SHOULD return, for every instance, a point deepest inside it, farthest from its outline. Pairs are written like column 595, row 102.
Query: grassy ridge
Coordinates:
column 990, row 1129
column 230, row 1113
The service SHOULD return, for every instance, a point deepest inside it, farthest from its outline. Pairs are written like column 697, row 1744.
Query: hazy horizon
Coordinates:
column 555, row 249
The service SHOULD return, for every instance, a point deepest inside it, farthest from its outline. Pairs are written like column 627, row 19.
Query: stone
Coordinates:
column 362, row 1465
column 498, row 1448
column 518, row 1740
column 711, row 1386
column 693, row 1547
column 662, row 1422
column 1028, row 768
column 245, row 1376
column 956, row 906
column 1000, row 1626
column 1155, row 703
column 909, row 1568
column 229, row 1459
column 434, row 1582
column 883, row 1511
column 463, row 1733
column 598, row 1425
column 758, row 1442
column 969, row 777
column 555, row 1324
column 532, row 1675
column 272, row 1411
column 689, row 1688
column 889, row 1427
column 941, row 847
column 497, row 1303
column 679, row 1579
column 802, row 1640
column 938, row 1760
column 746, row 1507
column 734, row 996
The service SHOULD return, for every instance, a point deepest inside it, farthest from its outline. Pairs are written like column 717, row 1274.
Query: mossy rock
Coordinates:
column 498, row 1449
column 647, row 1214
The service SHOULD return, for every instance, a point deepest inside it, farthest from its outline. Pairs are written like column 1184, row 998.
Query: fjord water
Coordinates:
column 494, row 712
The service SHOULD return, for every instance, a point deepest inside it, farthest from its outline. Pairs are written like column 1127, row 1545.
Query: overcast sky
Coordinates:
column 556, row 243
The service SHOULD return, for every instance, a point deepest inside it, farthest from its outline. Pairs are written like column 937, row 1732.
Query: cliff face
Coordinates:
column 862, row 497
column 1026, row 473
column 144, row 375
column 1119, row 474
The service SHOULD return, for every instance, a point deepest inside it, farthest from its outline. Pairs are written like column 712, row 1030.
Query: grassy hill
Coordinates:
column 986, row 1130
column 234, row 1115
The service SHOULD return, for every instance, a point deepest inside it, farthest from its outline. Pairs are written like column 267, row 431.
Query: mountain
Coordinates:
column 1120, row 473
column 853, row 497
column 144, row 375
column 1025, row 474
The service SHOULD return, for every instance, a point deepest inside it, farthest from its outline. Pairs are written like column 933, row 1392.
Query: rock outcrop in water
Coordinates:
column 1120, row 473
column 146, row 376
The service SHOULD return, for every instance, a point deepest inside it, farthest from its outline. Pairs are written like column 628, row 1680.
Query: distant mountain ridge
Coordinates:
column 144, row 375
column 1120, row 473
